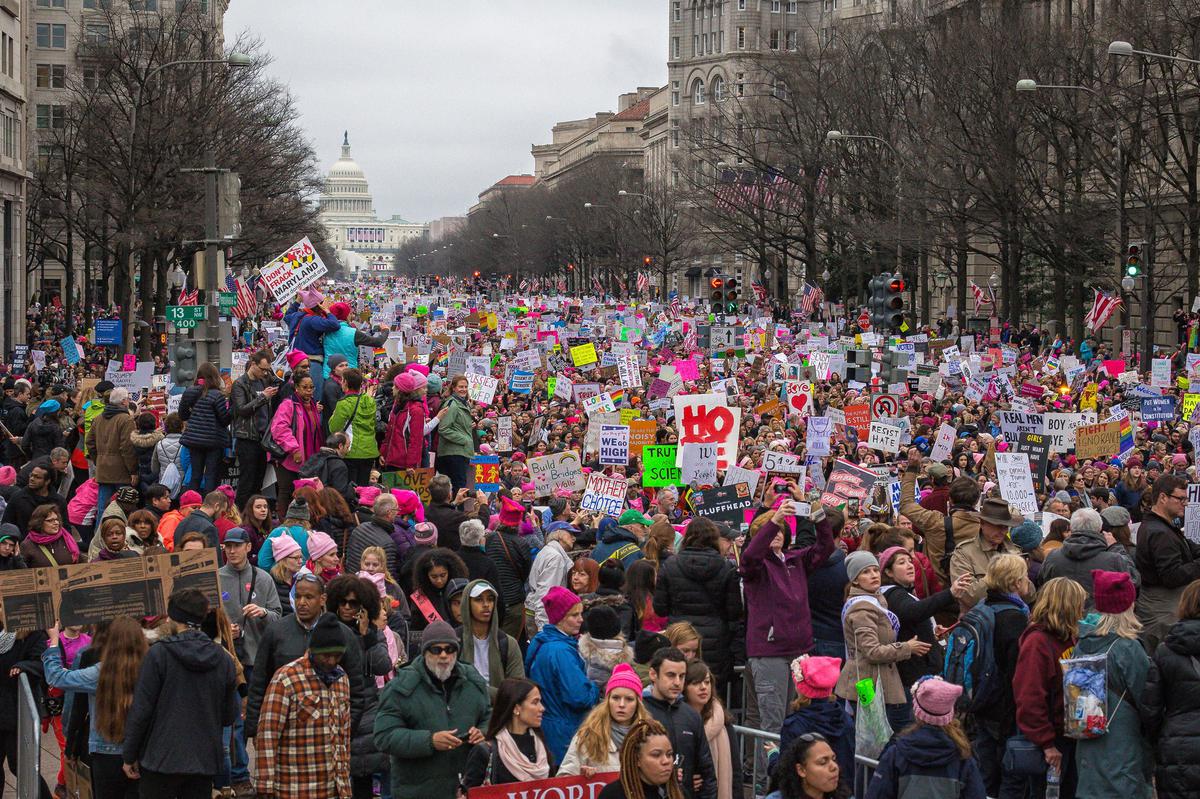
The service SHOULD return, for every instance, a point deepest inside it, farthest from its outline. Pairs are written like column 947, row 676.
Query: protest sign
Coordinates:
column 641, row 434
column 416, row 480
column 522, row 382
column 859, row 417
column 1158, row 409
column 481, row 388
column 698, row 463
column 1160, row 372
column 884, row 437
column 1060, row 428
column 705, row 419
column 556, row 788
column 135, row 380
column 736, row 474
column 799, row 397
column 1013, row 423
column 70, row 350
column 562, row 388
column 944, row 442
column 604, row 494
column 504, row 434
column 297, row 268
column 614, row 445
column 816, row 437
column 560, row 471
column 847, row 481
column 97, row 592
column 726, row 504
column 1035, row 446
column 1015, row 481
column 108, row 332
column 1101, row 440
column 659, row 469
column 782, row 462
column 583, row 354
column 487, row 472
column 1189, row 405
column 598, row 403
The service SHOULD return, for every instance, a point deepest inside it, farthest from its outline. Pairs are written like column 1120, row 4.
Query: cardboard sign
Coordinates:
column 412, row 479
column 799, row 397
column 598, row 403
column 1013, row 423
column 1098, row 440
column 604, row 494
column 614, row 445
column 1035, row 446
column 1160, row 372
column 1015, row 481
column 560, row 471
column 136, row 380
column 557, row 788
column 727, row 503
column 658, row 467
column 487, row 472
column 1158, row 409
column 481, row 388
column 705, row 419
column 297, row 268
column 1060, row 427
column 884, row 437
column 504, row 434
column 698, row 463
column 943, row 443
column 641, row 434
column 92, row 593
column 782, row 462
column 848, row 481
column 736, row 474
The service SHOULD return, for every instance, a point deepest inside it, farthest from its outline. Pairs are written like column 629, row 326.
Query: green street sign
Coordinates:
column 181, row 315
column 186, row 324
column 226, row 300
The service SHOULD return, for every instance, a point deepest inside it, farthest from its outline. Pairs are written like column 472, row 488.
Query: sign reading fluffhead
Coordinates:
column 297, row 268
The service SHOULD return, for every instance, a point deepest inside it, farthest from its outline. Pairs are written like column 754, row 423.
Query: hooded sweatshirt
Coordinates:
column 1082, row 552
column 830, row 719
column 186, row 693
column 925, row 763
column 503, row 654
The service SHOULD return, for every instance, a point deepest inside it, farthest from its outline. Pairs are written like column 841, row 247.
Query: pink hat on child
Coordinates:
column 933, row 700
column 816, row 676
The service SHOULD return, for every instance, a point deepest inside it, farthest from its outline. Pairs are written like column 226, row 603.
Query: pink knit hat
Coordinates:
column 1114, row 591
column 228, row 491
column 8, row 475
column 408, row 382
column 283, row 545
column 190, row 497
column 623, row 676
column 367, row 494
column 410, row 503
column 933, row 700
column 296, row 357
column 419, row 368
column 340, row 310
column 816, row 676
column 310, row 298
column 319, row 545
column 558, row 602
column 511, row 512
column 425, row 534
column 888, row 554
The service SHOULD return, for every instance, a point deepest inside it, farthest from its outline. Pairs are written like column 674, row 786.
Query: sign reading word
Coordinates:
column 783, row 462
column 725, row 504
column 416, row 480
column 557, row 788
column 604, row 494
column 481, row 388
column 884, row 437
column 659, row 467
column 1016, row 481
column 1098, row 440
column 614, row 445
column 561, row 471
column 186, row 317
column 847, row 481
column 705, row 419
column 698, row 462
column 297, row 268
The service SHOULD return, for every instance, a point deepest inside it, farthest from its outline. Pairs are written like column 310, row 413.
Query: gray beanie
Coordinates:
column 438, row 633
column 1115, row 516
column 857, row 561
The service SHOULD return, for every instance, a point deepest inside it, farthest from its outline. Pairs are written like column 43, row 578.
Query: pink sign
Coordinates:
column 129, row 363
column 687, row 370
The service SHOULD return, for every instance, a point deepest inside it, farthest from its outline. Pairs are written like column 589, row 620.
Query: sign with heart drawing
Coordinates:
column 799, row 397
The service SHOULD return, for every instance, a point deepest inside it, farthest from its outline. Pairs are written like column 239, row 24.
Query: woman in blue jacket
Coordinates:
column 554, row 663
column 205, row 408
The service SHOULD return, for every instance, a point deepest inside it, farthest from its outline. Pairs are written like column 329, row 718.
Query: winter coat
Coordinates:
column 167, row 451
column 42, row 435
column 573, row 763
column 872, row 648
column 111, row 447
column 513, row 561
column 185, row 694
column 374, row 532
column 549, row 569
column 1164, row 556
column 504, row 656
column 251, row 586
column 23, row 503
column 1121, row 762
column 776, row 592
column 358, row 412
column 602, row 655
column 926, row 763
column 826, row 587
column 207, row 415
column 26, row 653
column 284, row 641
column 326, row 465
column 413, row 707
column 84, row 502
column 346, row 340
column 1038, row 691
column 916, row 619
column 830, row 719
column 251, row 409
column 686, row 731
column 296, row 427
column 404, row 440
column 143, row 445
column 931, row 524
column 36, row 558
column 617, row 601
column 618, row 543
column 15, row 418
column 1171, row 710
column 307, row 329
column 553, row 662
column 199, row 522
column 973, row 557
column 1082, row 552
column 447, row 519
column 1011, row 622
column 456, row 431
column 699, row 586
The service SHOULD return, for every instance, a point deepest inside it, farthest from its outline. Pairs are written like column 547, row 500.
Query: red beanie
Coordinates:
column 1114, row 591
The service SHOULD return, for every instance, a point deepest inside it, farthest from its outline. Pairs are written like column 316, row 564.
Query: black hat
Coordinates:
column 455, row 587
column 187, row 606
column 9, row 530
column 237, row 535
column 612, row 575
column 104, row 386
column 601, row 622
column 327, row 636
column 646, row 644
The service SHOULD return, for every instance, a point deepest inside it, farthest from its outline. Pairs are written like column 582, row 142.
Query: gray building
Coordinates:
column 12, row 173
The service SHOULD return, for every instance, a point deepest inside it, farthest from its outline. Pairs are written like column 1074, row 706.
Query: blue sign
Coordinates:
column 108, row 332
column 1158, row 409
column 522, row 382
column 70, row 350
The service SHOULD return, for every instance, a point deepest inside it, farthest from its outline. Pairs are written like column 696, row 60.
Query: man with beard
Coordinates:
column 429, row 717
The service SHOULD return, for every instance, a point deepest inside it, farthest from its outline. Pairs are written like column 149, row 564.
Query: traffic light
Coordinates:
column 877, row 304
column 717, row 284
column 895, row 301
column 1133, row 260
column 183, row 363
column 647, row 261
column 731, row 295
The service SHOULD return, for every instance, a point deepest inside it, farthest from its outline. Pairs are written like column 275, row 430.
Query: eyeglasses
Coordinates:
column 442, row 649
column 309, row 577
column 353, row 604
column 1180, row 497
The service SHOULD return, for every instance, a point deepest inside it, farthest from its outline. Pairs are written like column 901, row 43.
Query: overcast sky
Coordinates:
column 444, row 97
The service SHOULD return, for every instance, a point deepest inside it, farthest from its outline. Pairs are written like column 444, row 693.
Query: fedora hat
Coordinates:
column 996, row 511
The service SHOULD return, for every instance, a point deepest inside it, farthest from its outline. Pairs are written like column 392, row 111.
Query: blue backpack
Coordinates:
column 971, row 657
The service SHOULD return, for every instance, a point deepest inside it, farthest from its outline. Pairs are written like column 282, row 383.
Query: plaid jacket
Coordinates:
column 302, row 750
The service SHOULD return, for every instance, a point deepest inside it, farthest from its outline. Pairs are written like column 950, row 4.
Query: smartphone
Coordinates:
column 852, row 505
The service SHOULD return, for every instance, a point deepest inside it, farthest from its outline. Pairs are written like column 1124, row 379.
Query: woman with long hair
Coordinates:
column 700, row 691
column 456, row 434
column 596, row 745
column 647, row 765
column 660, row 542
column 145, row 539
column 1131, row 488
column 48, row 542
column 110, row 685
column 809, row 769
column 431, row 575
column 686, row 638
column 513, row 749
column 639, row 590
column 1119, row 762
column 1171, row 705
column 256, row 520
column 933, row 756
column 296, row 429
column 1053, row 623
column 205, row 408
column 338, row 520
column 584, row 576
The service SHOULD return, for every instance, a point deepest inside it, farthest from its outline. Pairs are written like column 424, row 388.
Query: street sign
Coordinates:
column 186, row 316
column 226, row 301
column 864, row 321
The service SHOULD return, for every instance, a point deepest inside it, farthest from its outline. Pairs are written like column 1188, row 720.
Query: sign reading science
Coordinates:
column 298, row 268
column 556, row 788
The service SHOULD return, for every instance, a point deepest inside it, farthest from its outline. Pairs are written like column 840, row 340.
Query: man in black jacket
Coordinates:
column 375, row 532
column 15, row 418
column 684, row 725
column 443, row 515
column 251, row 401
column 1166, row 559
column 201, row 519
column 22, row 504
column 513, row 561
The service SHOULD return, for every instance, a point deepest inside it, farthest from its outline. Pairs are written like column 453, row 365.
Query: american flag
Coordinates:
column 562, row 285
column 247, row 302
column 524, row 286
column 596, row 283
column 760, row 291
column 189, row 297
column 620, row 284
column 982, row 297
column 810, row 299
column 643, row 282
column 673, row 304
column 1103, row 307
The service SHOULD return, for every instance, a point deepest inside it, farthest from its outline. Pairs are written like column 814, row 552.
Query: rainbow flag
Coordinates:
column 617, row 395
column 1126, row 433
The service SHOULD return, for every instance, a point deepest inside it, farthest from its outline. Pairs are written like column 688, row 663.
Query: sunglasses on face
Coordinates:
column 353, row 604
column 442, row 649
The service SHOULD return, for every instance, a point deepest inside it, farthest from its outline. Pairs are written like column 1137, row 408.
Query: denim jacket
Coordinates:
column 84, row 680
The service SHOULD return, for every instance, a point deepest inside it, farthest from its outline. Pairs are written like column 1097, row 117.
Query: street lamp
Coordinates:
column 594, row 205
column 1125, row 50
column 623, row 193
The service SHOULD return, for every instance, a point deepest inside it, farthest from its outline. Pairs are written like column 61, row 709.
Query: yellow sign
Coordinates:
column 1189, row 405
column 629, row 414
column 584, row 354
column 1087, row 400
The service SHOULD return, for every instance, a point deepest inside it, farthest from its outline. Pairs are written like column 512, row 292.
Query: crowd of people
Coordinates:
column 410, row 603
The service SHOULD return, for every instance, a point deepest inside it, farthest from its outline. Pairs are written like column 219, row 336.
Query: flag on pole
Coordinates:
column 247, row 302
column 1103, row 307
column 673, row 304
column 562, row 285
column 643, row 282
column 760, row 291
column 811, row 298
column 187, row 297
column 982, row 297
column 596, row 283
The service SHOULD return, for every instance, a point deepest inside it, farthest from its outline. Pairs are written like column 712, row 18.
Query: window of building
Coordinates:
column 191, row 5
column 51, row 76
column 719, row 38
column 91, row 77
column 10, row 135
column 143, row 5
column 741, row 5
column 826, row 35
column 792, row 40
column 696, row 45
column 676, row 11
column 674, row 48
column 793, row 7
column 704, row 45
column 51, row 3
column 697, row 12
column 51, row 116
column 97, row 4
column 779, row 89
column 829, row 6
column 775, row 4
column 741, row 84
column 774, row 39
column 718, row 89
column 51, row 37
column 674, row 92
column 96, row 33
column 741, row 38
column 698, row 95
column 674, row 132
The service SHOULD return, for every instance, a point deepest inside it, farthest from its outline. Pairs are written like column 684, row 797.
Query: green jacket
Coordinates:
column 94, row 408
column 499, row 667
column 411, row 709
column 456, row 431
column 364, row 444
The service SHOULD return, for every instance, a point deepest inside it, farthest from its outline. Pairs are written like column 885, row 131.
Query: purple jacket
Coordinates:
column 778, row 622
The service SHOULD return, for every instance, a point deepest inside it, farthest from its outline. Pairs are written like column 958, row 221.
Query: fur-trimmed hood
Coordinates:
column 146, row 440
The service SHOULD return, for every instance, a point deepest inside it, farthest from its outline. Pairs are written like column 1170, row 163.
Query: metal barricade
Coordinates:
column 757, row 740
column 29, row 741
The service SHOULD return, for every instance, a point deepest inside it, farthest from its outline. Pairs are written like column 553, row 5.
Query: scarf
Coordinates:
column 718, row 744
column 1016, row 600
column 517, row 763
column 327, row 677
column 48, row 539
column 618, row 732
column 7, row 640
column 107, row 554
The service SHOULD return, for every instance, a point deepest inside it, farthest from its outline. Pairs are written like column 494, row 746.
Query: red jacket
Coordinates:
column 927, row 583
column 938, row 499
column 1038, row 685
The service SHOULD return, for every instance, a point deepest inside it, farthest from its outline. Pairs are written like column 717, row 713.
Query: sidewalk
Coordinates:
column 49, row 768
